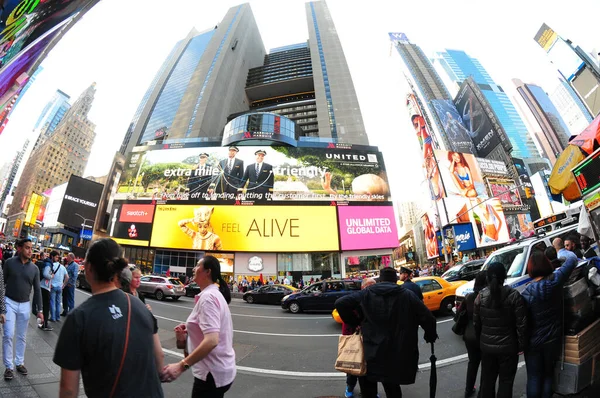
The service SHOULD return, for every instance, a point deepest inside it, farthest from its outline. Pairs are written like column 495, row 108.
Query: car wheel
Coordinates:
column 175, row 298
column 250, row 299
column 447, row 305
column 159, row 295
column 295, row 307
column 78, row 284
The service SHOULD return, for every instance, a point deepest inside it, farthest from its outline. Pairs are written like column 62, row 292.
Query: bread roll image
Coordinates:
column 370, row 184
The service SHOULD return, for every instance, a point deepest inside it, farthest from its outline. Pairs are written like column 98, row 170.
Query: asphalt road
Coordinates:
column 282, row 354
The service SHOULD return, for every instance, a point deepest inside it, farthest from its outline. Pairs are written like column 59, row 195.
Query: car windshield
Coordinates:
column 175, row 281
column 513, row 261
column 452, row 271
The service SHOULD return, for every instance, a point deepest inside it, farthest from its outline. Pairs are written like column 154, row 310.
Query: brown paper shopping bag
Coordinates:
column 351, row 355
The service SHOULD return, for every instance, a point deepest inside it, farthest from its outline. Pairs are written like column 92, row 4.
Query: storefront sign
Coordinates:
column 464, row 238
column 367, row 227
column 246, row 228
column 255, row 264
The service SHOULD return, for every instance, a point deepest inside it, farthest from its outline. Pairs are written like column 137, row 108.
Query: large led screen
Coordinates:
column 80, row 202
column 254, row 174
column 479, row 126
column 457, row 133
column 367, row 227
column 246, row 228
column 461, row 175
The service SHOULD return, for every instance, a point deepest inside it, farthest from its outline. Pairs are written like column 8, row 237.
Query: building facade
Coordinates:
column 571, row 108
column 64, row 153
column 51, row 116
column 458, row 66
column 7, row 186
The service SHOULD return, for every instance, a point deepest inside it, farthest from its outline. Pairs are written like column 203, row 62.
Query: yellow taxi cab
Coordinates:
column 438, row 294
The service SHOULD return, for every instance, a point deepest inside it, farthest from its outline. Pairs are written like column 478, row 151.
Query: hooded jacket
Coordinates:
column 501, row 331
column 389, row 316
column 543, row 299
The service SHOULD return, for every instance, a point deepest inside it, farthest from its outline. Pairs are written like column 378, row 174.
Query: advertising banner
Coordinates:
column 506, row 190
column 477, row 122
column 430, row 230
column 519, row 225
column 489, row 224
column 457, row 134
column 246, row 228
column 80, row 202
column 254, row 174
column 491, row 167
column 428, row 144
column 464, row 238
column 367, row 227
column 460, row 174
column 131, row 223
column 33, row 209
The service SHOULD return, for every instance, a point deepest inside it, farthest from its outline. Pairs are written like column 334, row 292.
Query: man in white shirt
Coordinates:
column 286, row 281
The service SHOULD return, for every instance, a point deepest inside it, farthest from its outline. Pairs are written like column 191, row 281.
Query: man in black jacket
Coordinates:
column 232, row 171
column 406, row 277
column 259, row 175
column 389, row 316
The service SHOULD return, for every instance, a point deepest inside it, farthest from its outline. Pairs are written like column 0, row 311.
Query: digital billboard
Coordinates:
column 246, row 228
column 131, row 223
column 476, row 120
column 493, row 167
column 457, row 133
column 254, row 174
column 428, row 144
column 431, row 230
column 464, row 238
column 489, row 223
column 506, row 190
column 367, row 227
column 461, row 175
column 586, row 84
column 519, row 225
column 22, row 22
column 80, row 202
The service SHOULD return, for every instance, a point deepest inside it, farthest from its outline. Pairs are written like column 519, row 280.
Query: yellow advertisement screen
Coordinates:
column 245, row 228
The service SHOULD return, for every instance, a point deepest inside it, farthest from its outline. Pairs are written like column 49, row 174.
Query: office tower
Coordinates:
column 428, row 87
column 555, row 133
column 64, row 153
column 200, row 83
column 458, row 66
column 51, row 116
column 571, row 108
column 574, row 65
column 10, row 177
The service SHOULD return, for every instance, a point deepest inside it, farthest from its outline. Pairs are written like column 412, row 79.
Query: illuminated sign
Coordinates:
column 246, row 228
column 587, row 173
column 367, row 227
column 549, row 220
column 136, row 213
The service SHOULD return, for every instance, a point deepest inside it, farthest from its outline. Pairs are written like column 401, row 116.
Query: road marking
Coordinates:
column 283, row 317
column 445, row 320
column 446, row 361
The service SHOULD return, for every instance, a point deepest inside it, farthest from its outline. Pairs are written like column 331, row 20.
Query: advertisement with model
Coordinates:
column 254, row 174
column 457, row 133
column 460, row 174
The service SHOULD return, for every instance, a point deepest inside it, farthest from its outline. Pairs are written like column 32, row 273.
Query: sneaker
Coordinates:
column 47, row 329
column 8, row 374
column 22, row 369
column 63, row 314
column 349, row 393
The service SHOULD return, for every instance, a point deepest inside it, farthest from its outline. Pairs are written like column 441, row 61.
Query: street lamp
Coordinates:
column 85, row 220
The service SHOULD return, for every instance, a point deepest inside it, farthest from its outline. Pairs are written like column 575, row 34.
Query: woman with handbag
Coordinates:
column 209, row 333
column 109, row 335
column 465, row 318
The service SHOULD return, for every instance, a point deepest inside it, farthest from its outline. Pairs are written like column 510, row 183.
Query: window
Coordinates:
column 428, row 285
column 145, row 279
column 157, row 280
column 315, row 288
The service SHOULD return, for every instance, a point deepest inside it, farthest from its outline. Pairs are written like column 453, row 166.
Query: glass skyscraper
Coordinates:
column 458, row 65
column 52, row 114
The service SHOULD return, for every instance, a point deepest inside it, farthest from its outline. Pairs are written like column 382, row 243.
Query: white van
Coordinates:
column 514, row 258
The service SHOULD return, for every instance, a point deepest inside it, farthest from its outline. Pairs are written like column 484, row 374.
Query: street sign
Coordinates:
column 86, row 234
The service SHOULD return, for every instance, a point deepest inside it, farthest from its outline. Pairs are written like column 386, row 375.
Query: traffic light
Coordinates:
column 528, row 192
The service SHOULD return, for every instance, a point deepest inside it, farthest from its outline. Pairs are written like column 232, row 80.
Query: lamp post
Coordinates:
column 85, row 220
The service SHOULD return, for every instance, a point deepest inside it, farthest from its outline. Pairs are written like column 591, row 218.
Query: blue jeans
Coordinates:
column 55, row 302
column 70, row 292
column 17, row 314
column 540, row 369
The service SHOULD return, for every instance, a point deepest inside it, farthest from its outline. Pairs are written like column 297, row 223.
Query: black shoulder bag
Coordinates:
column 461, row 319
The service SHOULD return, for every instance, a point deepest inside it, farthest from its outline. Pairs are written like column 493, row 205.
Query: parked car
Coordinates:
column 438, row 294
column 319, row 296
column 192, row 289
column 463, row 272
column 81, row 282
column 161, row 287
column 268, row 294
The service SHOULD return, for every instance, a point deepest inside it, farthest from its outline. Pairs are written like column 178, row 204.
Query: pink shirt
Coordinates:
column 211, row 314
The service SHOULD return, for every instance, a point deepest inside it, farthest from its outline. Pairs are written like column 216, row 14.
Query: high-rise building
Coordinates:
column 458, row 66
column 555, row 133
column 51, row 116
column 10, row 177
column 64, row 153
column 571, row 108
column 201, row 82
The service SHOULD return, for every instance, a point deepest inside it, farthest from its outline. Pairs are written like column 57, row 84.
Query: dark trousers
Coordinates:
column 351, row 381
column 69, row 291
column 368, row 389
column 540, row 369
column 474, row 353
column 65, row 301
column 498, row 367
column 45, row 305
column 208, row 389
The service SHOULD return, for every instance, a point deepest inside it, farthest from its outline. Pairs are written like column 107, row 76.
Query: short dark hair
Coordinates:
column 480, row 281
column 21, row 242
column 53, row 253
column 539, row 265
column 550, row 252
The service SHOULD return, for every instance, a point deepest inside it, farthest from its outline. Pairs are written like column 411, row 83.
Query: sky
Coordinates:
column 120, row 45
